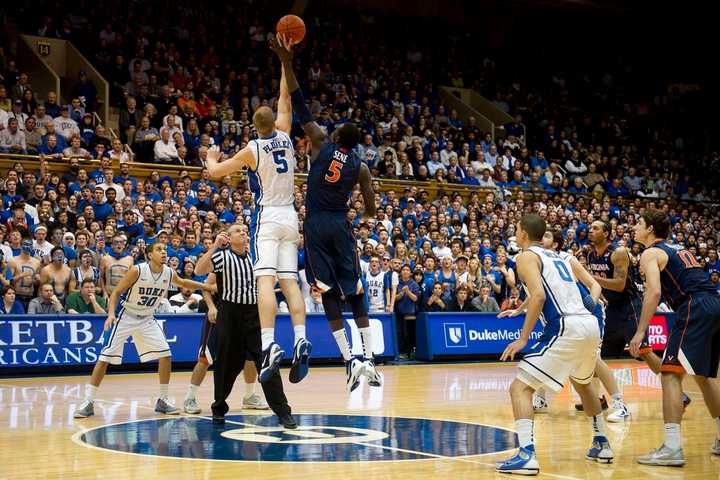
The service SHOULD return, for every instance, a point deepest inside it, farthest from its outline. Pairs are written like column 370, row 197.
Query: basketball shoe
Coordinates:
column 600, row 450
column 524, row 463
column 540, row 404
column 371, row 373
column 164, row 406
column 190, row 406
column 271, row 361
column 620, row 412
column 354, row 369
column 663, row 456
column 85, row 410
column 715, row 449
column 301, row 361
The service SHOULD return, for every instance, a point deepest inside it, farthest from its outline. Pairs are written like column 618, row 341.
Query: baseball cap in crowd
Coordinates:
column 41, row 227
column 18, row 102
column 411, row 199
column 68, row 235
column 464, row 257
column 386, row 256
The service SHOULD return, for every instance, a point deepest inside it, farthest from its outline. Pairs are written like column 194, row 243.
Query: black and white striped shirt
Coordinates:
column 235, row 279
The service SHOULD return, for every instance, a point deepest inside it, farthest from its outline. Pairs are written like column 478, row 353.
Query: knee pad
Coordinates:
column 358, row 306
column 332, row 304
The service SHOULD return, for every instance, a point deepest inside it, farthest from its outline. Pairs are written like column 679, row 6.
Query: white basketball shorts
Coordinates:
column 274, row 241
column 148, row 335
column 570, row 352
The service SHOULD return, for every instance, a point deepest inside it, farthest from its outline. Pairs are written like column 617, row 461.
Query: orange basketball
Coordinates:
column 292, row 27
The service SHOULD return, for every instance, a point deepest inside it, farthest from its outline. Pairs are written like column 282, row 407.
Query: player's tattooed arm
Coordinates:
column 621, row 261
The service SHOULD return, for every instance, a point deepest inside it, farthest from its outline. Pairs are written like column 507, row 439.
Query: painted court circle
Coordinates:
column 320, row 438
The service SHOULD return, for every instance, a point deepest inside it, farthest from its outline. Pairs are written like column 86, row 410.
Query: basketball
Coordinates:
column 292, row 27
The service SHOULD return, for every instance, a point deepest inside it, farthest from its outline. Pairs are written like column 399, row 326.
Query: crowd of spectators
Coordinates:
column 181, row 87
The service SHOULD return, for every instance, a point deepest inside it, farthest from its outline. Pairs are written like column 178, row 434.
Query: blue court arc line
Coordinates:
column 408, row 439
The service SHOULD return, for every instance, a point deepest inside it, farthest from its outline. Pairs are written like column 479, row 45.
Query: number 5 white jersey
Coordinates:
column 273, row 180
column 563, row 297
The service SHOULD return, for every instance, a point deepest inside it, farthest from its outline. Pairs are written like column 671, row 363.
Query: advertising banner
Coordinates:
column 65, row 340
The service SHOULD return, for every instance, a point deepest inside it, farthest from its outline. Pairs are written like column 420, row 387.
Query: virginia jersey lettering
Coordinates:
column 273, row 180
column 147, row 291
column 602, row 266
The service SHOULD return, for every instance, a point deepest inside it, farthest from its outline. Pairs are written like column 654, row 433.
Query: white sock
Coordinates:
column 672, row 435
column 90, row 391
column 366, row 336
column 524, row 428
column 617, row 397
column 192, row 392
column 598, row 425
column 342, row 343
column 249, row 389
column 268, row 336
column 299, row 332
column 164, row 391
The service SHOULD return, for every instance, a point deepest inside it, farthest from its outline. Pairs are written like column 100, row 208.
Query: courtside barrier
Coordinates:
column 49, row 341
column 450, row 335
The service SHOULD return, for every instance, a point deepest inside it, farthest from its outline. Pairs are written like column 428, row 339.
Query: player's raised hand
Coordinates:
column 222, row 240
column 281, row 46
column 214, row 154
column 512, row 349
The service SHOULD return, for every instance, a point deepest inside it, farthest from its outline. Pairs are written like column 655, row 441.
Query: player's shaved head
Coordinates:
column 348, row 136
column 263, row 120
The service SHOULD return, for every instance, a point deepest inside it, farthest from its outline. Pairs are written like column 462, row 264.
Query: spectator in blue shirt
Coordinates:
column 9, row 305
column 101, row 208
column 408, row 293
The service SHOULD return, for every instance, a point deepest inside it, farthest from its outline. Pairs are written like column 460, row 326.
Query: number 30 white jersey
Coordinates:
column 145, row 294
column 273, row 180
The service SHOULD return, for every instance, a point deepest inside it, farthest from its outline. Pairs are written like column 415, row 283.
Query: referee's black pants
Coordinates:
column 238, row 340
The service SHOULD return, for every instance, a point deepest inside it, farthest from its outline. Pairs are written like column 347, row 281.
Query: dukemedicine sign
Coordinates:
column 468, row 334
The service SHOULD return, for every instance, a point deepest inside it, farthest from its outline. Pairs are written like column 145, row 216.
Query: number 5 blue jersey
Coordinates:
column 273, row 179
column 333, row 175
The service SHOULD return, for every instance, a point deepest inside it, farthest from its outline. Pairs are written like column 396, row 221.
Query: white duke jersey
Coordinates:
column 563, row 298
column 273, row 180
column 145, row 294
column 376, row 291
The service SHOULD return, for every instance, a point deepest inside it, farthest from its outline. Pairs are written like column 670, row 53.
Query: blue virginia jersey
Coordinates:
column 331, row 180
column 602, row 266
column 682, row 276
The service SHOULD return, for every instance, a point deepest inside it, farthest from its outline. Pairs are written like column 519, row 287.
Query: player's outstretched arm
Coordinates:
column 218, row 169
column 365, row 180
column 284, row 112
column 191, row 284
column 283, row 49
column 650, row 266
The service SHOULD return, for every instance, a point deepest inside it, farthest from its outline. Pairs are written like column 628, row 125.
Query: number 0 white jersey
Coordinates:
column 273, row 180
column 145, row 294
column 563, row 297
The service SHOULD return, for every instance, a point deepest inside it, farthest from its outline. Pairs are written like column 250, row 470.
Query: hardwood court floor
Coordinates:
column 37, row 429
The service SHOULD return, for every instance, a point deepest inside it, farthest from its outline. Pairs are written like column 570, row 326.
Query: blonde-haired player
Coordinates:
column 270, row 160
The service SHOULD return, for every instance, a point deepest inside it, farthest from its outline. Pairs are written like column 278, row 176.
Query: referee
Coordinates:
column 238, row 324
